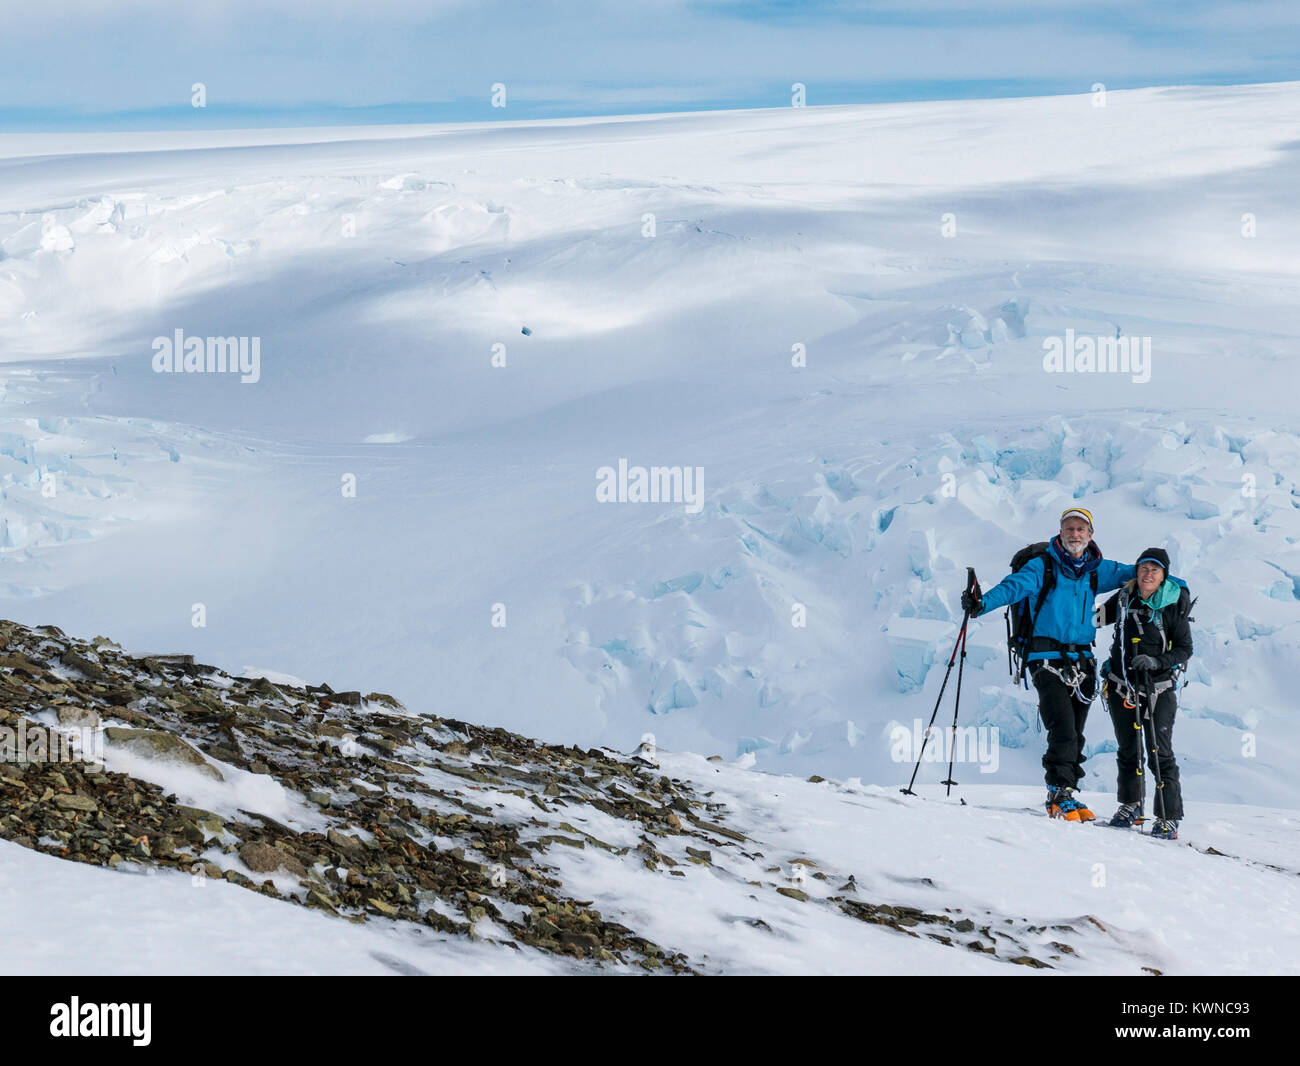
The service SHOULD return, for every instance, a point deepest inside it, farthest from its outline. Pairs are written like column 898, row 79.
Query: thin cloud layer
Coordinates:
column 96, row 58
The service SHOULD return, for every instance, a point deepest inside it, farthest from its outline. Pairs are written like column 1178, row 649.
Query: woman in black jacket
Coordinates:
column 1153, row 641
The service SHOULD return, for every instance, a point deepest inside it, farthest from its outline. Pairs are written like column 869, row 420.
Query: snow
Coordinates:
column 387, row 494
column 66, row 918
column 1120, row 900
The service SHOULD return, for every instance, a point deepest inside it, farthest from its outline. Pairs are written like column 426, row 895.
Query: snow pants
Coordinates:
column 1133, row 742
column 1063, row 717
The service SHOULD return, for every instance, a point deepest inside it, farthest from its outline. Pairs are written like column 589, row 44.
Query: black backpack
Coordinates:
column 1022, row 615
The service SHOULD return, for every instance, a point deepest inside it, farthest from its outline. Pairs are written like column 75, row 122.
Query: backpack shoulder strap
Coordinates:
column 1049, row 580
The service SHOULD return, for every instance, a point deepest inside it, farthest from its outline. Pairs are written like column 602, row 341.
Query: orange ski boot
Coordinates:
column 1062, row 803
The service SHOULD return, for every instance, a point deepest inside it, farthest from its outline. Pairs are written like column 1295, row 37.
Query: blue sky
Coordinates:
column 122, row 64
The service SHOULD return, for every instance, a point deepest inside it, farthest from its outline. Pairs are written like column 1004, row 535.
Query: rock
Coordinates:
column 75, row 803
column 82, row 665
column 203, row 819
column 265, row 859
column 1029, row 960
column 555, row 838
column 78, row 717
column 721, row 830
column 126, row 713
column 793, row 893
column 342, row 840
column 280, row 828
column 584, row 942
column 321, row 799
column 159, row 744
column 348, row 699
column 383, row 908
column 263, row 687
column 21, row 664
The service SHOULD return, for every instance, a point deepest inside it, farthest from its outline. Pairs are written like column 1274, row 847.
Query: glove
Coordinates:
column 971, row 602
column 1146, row 662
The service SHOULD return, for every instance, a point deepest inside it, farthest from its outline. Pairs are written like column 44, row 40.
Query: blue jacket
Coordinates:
column 1067, row 613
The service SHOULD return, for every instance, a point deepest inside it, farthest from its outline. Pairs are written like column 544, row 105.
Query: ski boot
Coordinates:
column 1165, row 829
column 1128, row 816
column 1062, row 803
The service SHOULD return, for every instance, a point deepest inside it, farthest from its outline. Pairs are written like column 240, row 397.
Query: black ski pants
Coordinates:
column 1131, row 744
column 1063, row 717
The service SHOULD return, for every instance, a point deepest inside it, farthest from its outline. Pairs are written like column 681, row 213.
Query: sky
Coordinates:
column 130, row 64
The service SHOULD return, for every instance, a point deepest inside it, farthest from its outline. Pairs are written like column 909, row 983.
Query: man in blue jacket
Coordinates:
column 1060, row 658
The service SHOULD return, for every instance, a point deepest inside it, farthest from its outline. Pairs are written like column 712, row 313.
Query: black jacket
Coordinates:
column 1142, row 632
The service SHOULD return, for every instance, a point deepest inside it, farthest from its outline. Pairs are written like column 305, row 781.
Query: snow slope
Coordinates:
column 1079, row 898
column 380, row 268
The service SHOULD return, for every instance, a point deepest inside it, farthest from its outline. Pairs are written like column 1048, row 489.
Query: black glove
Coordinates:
column 971, row 602
column 1146, row 662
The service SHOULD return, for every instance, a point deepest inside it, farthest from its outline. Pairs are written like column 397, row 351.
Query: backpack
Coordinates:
column 1022, row 615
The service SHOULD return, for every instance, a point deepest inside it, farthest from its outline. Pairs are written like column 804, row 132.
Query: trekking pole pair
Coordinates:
column 1146, row 709
column 971, row 586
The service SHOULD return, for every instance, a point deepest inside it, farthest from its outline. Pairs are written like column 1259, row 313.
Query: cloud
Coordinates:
column 99, row 56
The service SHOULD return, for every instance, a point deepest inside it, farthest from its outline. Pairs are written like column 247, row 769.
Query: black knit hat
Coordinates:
column 1156, row 555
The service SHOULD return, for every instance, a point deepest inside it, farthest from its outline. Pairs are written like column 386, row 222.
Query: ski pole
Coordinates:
column 958, row 642
column 1137, row 726
column 1155, row 751
column 961, row 634
column 972, row 585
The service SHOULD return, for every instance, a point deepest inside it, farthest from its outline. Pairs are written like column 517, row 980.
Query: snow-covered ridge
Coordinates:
column 280, row 810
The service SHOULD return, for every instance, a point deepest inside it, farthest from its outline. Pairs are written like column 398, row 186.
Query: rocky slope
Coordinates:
column 400, row 816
